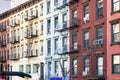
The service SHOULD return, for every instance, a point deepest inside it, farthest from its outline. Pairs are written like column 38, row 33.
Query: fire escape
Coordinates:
column 3, row 43
column 14, row 39
column 31, row 33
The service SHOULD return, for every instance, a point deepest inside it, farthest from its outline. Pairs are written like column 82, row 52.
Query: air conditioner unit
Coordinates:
column 98, row 42
column 85, row 19
column 84, row 73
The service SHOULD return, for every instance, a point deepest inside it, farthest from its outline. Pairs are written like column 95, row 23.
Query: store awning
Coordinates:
column 20, row 74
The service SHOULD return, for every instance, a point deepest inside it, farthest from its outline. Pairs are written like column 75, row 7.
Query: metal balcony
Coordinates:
column 12, row 23
column 74, row 48
column 3, row 58
column 63, row 5
column 15, row 39
column 17, row 22
column 62, row 27
column 31, row 53
column 32, row 33
column 74, row 23
column 14, row 56
column 31, row 16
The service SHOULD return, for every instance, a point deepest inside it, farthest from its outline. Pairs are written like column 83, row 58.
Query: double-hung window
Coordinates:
column 48, row 7
column 48, row 26
column 74, row 65
column 74, row 41
column 86, row 39
column 49, row 47
column 115, row 5
column 99, row 6
column 99, row 32
column 115, row 32
column 56, row 22
column 74, row 16
column 116, row 63
column 100, row 65
column 56, row 45
column 56, row 67
column 86, row 65
column 86, row 12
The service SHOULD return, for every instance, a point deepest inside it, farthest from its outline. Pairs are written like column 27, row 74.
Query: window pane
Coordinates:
column 116, row 59
column 116, row 28
column 116, row 68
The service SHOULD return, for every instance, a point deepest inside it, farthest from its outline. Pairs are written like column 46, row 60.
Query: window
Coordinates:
column 65, row 65
column 36, row 48
column 18, row 51
column 42, row 71
column 49, row 47
column 48, row 7
column 48, row 26
column 86, row 39
column 56, row 44
column 55, row 2
column 99, row 10
column 99, row 33
column 99, row 65
column 115, row 5
column 115, row 32
column 64, row 2
column 86, row 65
column 22, row 34
column 41, row 9
column 116, row 64
column 74, row 41
column 22, row 47
column 41, row 47
column 35, row 68
column 64, row 43
column 64, row 20
column 74, row 65
column 41, row 30
column 56, row 22
column 14, row 50
column 74, row 16
column 56, row 67
column 49, row 69
column 21, row 68
column 86, row 11
column 28, row 68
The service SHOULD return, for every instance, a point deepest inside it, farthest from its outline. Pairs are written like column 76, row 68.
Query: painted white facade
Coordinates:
column 26, row 59
column 15, row 3
column 52, row 36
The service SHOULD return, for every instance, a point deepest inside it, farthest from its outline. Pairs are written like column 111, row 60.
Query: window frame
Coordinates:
column 115, row 64
column 86, row 42
column 112, row 34
column 99, row 9
column 75, row 66
column 97, row 65
column 113, row 6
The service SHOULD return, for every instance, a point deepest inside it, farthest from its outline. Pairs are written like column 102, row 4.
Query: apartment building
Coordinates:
column 27, row 39
column 4, row 43
column 96, row 34
column 56, row 38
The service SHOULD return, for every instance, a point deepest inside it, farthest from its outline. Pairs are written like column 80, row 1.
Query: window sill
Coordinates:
column 99, row 17
column 74, row 76
column 86, row 22
column 115, row 43
column 118, row 11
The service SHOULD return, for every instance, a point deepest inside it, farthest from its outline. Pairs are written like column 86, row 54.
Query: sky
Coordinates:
column 4, row 5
